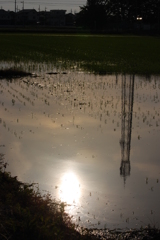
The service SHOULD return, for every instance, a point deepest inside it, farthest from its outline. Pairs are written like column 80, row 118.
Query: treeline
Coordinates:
column 125, row 14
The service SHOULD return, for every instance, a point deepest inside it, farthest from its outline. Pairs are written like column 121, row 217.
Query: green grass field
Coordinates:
column 100, row 54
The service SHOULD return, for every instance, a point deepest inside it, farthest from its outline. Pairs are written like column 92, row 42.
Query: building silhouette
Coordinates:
column 54, row 18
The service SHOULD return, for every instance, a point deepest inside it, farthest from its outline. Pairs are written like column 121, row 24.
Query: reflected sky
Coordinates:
column 65, row 131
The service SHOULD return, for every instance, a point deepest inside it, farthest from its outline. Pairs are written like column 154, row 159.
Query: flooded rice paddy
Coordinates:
column 91, row 141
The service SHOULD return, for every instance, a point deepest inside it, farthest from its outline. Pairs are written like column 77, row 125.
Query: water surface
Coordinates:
column 91, row 141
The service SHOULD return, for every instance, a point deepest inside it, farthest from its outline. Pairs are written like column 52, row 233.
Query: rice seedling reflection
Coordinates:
column 69, row 191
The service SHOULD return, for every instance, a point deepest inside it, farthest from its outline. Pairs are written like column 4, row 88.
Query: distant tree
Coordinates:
column 149, row 10
column 97, row 13
column 93, row 14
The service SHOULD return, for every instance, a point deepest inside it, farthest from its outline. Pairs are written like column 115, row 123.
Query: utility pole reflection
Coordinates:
column 127, row 99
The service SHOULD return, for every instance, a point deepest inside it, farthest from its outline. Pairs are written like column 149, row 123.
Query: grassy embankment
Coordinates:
column 26, row 214
column 99, row 54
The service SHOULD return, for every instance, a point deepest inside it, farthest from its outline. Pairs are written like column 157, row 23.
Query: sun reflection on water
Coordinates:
column 70, row 188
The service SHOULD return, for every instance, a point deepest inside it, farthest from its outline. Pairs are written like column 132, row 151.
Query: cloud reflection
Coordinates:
column 70, row 188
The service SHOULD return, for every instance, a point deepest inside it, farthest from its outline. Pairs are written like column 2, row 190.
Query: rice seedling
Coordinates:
column 105, row 54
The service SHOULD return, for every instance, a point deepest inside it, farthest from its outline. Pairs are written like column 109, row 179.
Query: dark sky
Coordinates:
column 48, row 4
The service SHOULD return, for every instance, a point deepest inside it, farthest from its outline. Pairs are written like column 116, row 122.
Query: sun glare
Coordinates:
column 70, row 188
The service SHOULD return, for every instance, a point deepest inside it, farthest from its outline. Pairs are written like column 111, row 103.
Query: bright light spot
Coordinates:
column 69, row 189
column 139, row 18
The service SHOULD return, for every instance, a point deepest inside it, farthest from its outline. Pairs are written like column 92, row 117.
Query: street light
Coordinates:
column 15, row 6
column 23, row 4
